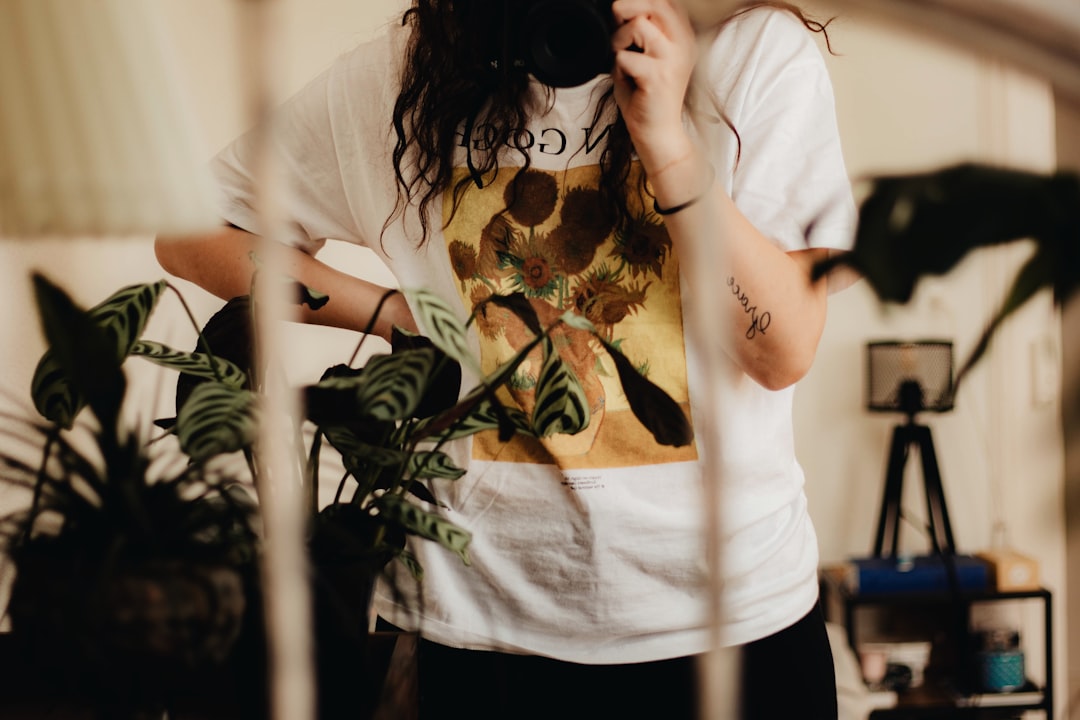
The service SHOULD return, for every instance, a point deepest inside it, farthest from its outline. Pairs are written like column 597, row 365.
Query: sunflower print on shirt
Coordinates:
column 552, row 242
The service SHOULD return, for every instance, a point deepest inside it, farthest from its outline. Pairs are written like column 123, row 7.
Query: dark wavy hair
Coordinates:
column 453, row 82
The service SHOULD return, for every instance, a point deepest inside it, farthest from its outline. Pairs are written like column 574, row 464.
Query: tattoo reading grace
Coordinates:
column 759, row 323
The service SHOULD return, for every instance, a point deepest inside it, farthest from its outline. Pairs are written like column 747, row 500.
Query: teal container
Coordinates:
column 1001, row 670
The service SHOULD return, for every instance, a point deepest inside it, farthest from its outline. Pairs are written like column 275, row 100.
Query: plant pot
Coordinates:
column 348, row 686
column 127, row 640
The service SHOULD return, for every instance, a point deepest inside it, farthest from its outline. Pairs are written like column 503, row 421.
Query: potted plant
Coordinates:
column 388, row 419
column 924, row 223
column 132, row 582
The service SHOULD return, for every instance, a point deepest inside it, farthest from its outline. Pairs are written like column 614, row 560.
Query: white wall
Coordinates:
column 904, row 104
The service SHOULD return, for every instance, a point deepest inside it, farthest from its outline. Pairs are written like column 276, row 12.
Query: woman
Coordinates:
column 431, row 146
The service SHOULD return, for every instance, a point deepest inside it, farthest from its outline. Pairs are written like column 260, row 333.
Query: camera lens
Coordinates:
column 568, row 43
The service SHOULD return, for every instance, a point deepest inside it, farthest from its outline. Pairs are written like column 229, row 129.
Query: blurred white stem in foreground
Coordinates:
column 286, row 590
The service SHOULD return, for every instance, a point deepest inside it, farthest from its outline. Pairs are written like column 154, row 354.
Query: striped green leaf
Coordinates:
column 393, row 385
column 123, row 316
column 362, row 455
column 484, row 416
column 53, row 394
column 358, row 456
column 433, row 465
column 427, row 525
column 191, row 363
column 442, row 326
column 217, row 419
column 411, row 564
column 561, row 405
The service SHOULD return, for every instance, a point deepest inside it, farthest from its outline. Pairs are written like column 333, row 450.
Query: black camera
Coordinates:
column 563, row 43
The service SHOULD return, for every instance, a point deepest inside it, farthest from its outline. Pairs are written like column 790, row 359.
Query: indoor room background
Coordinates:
column 905, row 103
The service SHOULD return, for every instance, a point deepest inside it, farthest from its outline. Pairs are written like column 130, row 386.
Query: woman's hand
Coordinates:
column 655, row 52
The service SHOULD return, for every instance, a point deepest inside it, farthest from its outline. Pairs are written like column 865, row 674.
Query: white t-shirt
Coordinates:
column 590, row 548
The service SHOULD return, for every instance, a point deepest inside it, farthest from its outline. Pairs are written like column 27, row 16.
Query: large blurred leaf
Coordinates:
column 924, row 224
column 217, row 419
column 1029, row 280
column 121, row 319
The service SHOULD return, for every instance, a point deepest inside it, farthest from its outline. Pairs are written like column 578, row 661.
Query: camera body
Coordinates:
column 563, row 43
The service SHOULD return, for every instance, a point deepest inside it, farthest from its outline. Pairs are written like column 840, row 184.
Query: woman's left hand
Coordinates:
column 655, row 52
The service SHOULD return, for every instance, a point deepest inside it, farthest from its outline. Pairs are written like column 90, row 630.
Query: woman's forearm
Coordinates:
column 223, row 262
column 770, row 314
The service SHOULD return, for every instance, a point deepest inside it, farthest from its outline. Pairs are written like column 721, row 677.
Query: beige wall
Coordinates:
column 904, row 104
column 1068, row 134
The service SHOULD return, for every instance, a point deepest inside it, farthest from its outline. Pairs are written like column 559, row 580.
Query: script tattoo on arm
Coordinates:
column 759, row 322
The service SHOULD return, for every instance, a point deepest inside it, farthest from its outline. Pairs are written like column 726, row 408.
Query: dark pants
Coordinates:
column 787, row 675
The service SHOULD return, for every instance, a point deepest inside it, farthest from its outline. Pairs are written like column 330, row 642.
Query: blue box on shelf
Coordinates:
column 919, row 573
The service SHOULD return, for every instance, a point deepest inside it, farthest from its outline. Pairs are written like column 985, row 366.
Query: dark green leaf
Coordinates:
column 445, row 385
column 421, row 492
column 432, row 464
column 217, row 419
column 653, row 407
column 1036, row 274
column 442, row 326
column 412, row 565
column 390, row 387
column 923, row 224
column 561, row 405
column 229, row 335
column 427, row 525
column 518, row 304
column 191, row 363
column 83, row 362
column 312, row 298
column 485, row 414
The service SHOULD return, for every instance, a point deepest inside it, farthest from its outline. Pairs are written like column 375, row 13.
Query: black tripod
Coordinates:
column 905, row 437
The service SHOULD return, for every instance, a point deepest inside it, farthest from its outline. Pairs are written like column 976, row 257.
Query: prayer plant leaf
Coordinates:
column 120, row 319
column 228, row 334
column 653, row 407
column 412, row 565
column 561, row 405
column 444, row 387
column 388, row 387
column 346, row 441
column 485, row 414
column 217, row 419
column 432, row 464
column 417, row 521
column 191, row 363
column 442, row 326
